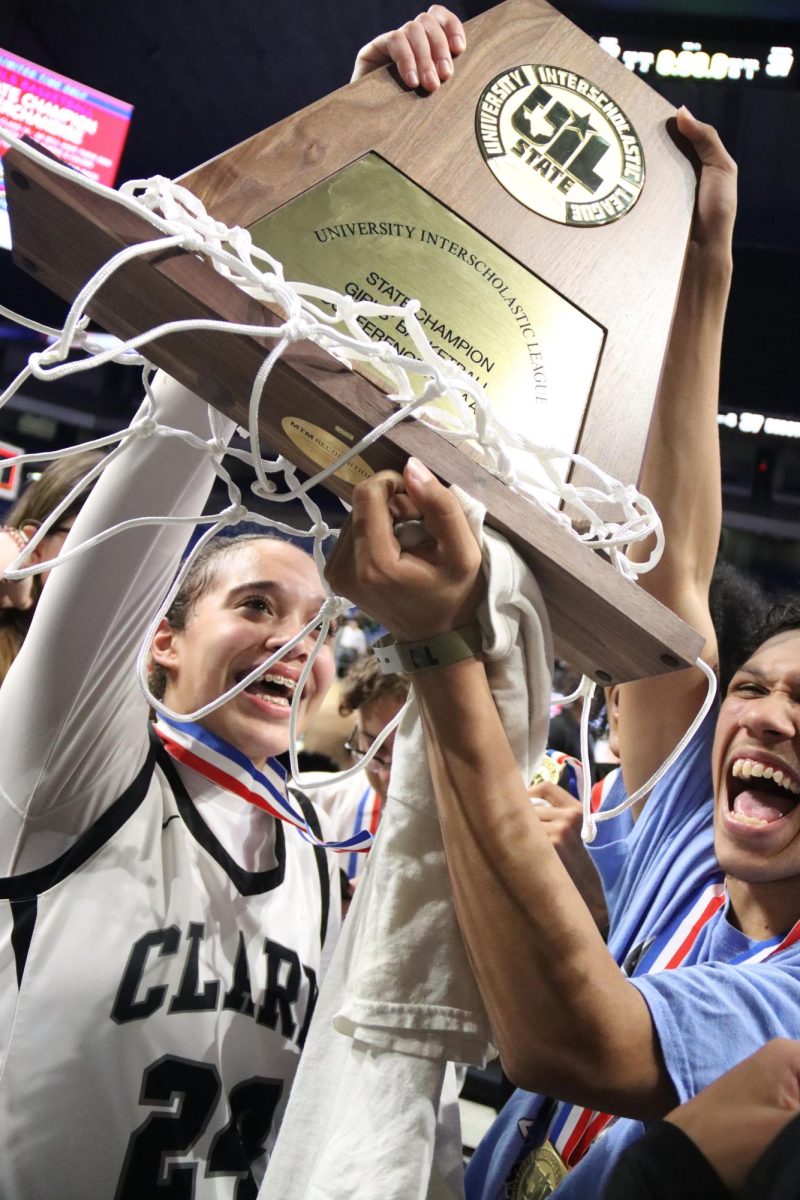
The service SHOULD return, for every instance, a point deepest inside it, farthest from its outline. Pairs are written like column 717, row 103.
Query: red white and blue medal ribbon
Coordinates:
column 225, row 766
column 369, row 800
column 675, row 945
column 573, row 1128
column 601, row 789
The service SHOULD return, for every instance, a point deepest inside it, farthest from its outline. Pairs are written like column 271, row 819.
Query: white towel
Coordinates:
column 367, row 1116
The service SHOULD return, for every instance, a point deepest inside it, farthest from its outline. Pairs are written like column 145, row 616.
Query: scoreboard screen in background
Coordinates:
column 80, row 125
column 726, row 10
column 713, row 59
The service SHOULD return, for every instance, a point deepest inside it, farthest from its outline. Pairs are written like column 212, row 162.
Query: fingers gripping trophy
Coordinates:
column 193, row 832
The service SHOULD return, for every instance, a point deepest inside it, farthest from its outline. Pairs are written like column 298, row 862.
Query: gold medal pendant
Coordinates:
column 539, row 1174
column 548, row 771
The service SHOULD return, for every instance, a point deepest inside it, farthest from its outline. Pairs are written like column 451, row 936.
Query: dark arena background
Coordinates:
column 204, row 76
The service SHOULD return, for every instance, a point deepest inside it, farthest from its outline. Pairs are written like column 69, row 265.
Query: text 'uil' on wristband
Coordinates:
column 441, row 650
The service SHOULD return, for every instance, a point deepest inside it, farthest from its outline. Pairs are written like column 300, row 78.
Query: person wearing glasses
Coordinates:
column 357, row 803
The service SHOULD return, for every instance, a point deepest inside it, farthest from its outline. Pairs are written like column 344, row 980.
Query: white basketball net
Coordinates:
column 318, row 315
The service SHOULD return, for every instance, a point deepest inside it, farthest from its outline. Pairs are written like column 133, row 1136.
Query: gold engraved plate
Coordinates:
column 324, row 449
column 560, row 145
column 371, row 233
column 539, row 1174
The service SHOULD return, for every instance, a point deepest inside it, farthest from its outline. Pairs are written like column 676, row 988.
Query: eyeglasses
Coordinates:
column 359, row 752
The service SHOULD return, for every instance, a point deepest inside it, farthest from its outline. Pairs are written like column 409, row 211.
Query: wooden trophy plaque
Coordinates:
column 537, row 207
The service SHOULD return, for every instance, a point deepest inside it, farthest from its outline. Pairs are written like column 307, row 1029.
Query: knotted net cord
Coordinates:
column 331, row 321
column 585, row 694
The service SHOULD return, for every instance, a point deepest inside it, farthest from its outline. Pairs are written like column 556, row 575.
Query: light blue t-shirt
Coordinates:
column 709, row 1013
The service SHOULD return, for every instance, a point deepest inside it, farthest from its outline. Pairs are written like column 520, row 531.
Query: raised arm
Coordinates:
column 565, row 1020
column 681, row 472
column 73, row 727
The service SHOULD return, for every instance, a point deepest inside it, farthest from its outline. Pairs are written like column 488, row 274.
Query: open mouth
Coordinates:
column 760, row 794
column 277, row 689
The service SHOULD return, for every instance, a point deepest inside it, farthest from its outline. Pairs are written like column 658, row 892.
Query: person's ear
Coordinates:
column 164, row 646
column 40, row 554
column 44, row 550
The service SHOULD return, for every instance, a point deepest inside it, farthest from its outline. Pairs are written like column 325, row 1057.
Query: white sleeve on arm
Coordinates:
column 73, row 728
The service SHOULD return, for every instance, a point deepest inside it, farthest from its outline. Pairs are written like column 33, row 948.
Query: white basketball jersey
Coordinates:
column 150, row 1045
column 160, row 940
column 350, row 805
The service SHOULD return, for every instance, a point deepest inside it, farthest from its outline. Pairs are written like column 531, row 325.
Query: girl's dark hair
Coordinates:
column 14, row 625
column 56, row 481
column 39, row 499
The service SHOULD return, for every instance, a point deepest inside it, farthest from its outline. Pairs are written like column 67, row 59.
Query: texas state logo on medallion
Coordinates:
column 560, row 145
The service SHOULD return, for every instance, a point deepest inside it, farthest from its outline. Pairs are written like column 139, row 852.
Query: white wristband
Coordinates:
column 441, row 650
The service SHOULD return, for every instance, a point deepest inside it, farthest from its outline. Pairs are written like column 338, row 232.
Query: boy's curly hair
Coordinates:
column 365, row 682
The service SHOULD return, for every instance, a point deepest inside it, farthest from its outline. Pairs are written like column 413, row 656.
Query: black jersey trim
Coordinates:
column 34, row 883
column 23, row 915
column 311, row 815
column 247, row 883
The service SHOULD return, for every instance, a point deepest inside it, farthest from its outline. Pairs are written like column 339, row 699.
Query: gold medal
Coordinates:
column 548, row 771
column 539, row 1174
